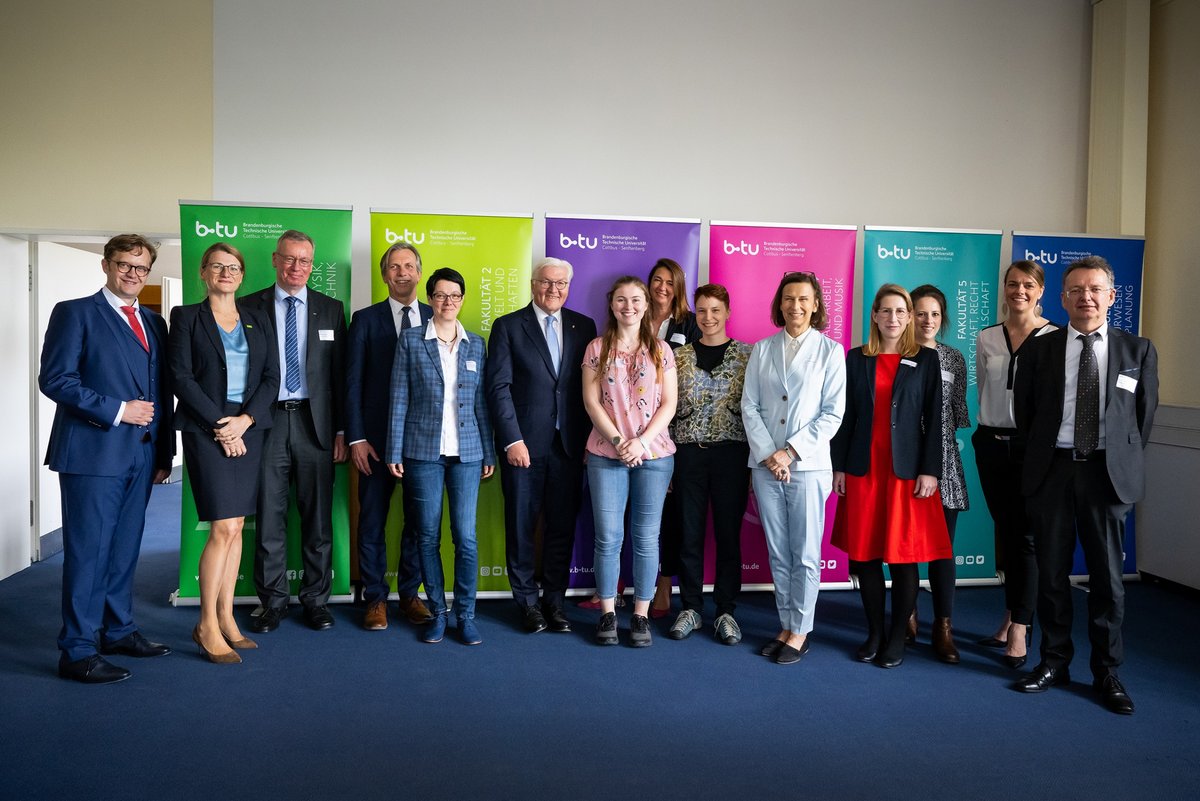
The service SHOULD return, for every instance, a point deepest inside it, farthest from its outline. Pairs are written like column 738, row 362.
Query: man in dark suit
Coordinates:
column 1084, row 403
column 535, row 393
column 104, row 363
column 306, row 438
column 372, row 349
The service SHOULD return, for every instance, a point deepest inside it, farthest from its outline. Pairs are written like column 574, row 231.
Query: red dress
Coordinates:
column 879, row 517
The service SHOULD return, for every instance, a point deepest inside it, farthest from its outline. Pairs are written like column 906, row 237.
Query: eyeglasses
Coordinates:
column 124, row 267
column 441, row 297
column 232, row 269
column 1076, row 292
column 288, row 261
column 546, row 283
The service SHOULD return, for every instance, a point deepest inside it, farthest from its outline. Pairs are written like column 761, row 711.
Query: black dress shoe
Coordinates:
column 1113, row 694
column 556, row 621
column 532, row 620
column 268, row 620
column 1015, row 662
column 888, row 662
column 317, row 618
column 1043, row 678
column 91, row 670
column 135, row 645
column 772, row 648
column 867, row 651
column 789, row 656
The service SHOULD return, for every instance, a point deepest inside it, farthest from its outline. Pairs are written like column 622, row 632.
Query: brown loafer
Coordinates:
column 415, row 611
column 376, row 617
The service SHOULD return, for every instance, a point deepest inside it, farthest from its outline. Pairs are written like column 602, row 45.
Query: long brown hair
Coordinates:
column 647, row 341
column 679, row 306
column 908, row 338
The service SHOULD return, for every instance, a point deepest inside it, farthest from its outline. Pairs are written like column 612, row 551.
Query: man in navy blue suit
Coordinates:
column 104, row 362
column 535, row 394
column 370, row 353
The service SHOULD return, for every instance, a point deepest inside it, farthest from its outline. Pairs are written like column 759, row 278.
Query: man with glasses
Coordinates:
column 104, row 363
column 1084, row 403
column 373, row 334
column 535, row 394
column 306, row 438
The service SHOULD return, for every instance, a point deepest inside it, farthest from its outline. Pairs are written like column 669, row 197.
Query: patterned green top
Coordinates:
column 710, row 404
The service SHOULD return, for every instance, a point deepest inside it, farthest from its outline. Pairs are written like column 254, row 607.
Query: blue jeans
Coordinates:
column 644, row 488
column 423, row 482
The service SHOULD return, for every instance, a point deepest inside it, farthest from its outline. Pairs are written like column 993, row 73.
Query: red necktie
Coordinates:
column 136, row 325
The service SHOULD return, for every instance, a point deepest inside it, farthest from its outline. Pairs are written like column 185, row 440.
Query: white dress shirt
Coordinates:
column 448, row 353
column 117, row 303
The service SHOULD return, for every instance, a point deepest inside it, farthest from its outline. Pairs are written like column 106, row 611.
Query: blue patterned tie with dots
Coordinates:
column 1087, row 398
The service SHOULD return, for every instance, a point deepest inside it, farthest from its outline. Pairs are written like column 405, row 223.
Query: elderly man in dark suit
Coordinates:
column 104, row 363
column 1084, row 403
column 534, row 388
column 373, row 334
column 306, row 438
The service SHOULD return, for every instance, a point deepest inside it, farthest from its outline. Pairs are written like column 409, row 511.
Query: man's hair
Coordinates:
column 550, row 261
column 130, row 243
column 294, row 236
column 1090, row 263
column 387, row 255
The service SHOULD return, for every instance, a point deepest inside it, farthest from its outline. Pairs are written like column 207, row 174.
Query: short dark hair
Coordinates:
column 1090, row 263
column 445, row 274
column 387, row 254
column 294, row 236
column 715, row 291
column 930, row 291
column 820, row 318
column 130, row 243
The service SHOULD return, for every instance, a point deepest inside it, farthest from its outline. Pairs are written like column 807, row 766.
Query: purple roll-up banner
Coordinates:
column 748, row 259
column 601, row 250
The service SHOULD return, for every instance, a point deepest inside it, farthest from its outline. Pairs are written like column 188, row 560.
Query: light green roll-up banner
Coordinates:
column 254, row 229
column 493, row 253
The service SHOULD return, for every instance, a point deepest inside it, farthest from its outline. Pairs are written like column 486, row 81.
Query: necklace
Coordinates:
column 449, row 341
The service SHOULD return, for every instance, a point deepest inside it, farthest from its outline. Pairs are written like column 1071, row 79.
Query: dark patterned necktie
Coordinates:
column 1087, row 398
column 291, row 350
column 405, row 324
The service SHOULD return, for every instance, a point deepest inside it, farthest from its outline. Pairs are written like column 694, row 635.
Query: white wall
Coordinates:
column 969, row 113
column 15, row 542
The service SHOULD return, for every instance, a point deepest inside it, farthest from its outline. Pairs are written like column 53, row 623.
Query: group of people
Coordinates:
column 671, row 419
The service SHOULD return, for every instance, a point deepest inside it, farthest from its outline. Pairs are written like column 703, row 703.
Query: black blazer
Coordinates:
column 197, row 362
column 916, row 416
column 1128, row 410
column 369, row 357
column 325, row 359
column 688, row 328
column 523, row 394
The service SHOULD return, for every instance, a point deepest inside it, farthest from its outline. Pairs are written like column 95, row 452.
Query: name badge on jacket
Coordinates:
column 326, row 334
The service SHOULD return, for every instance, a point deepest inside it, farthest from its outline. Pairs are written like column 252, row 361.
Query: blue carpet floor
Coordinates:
column 350, row 714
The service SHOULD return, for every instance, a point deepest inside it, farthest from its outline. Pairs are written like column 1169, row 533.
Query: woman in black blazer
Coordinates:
column 226, row 378
column 887, row 459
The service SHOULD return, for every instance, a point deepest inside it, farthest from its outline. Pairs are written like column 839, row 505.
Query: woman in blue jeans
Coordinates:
column 440, row 437
column 629, row 392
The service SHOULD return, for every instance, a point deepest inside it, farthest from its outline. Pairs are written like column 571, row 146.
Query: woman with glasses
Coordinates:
column 629, row 392
column 887, row 459
column 440, row 438
column 226, row 376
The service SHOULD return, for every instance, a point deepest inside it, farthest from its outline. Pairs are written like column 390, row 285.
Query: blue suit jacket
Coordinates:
column 369, row 357
column 524, row 395
column 91, row 363
column 415, row 429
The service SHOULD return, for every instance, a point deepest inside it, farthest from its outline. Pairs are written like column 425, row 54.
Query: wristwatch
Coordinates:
column 616, row 440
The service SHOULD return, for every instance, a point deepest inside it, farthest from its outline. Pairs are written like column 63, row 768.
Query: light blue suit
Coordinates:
column 798, row 404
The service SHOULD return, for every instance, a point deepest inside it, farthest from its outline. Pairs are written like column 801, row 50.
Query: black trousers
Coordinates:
column 551, row 487
column 292, row 454
column 713, row 475
column 1078, row 497
column 1000, row 476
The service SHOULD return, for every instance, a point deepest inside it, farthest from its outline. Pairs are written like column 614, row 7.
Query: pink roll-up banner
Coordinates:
column 748, row 259
column 601, row 250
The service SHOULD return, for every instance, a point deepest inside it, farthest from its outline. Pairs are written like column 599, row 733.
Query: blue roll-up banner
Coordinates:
column 1125, row 253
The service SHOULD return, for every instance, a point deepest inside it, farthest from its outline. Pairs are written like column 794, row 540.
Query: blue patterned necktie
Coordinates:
column 1087, row 398
column 552, row 343
column 291, row 349
column 404, row 321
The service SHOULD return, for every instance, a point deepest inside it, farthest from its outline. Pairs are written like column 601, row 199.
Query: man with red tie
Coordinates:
column 104, row 364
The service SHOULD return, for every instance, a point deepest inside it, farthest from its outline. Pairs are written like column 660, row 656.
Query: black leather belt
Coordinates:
column 292, row 405
column 1076, row 456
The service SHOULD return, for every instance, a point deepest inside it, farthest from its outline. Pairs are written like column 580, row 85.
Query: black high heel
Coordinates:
column 1018, row 662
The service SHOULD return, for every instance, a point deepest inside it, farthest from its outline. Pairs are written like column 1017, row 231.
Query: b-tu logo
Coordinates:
column 223, row 231
column 896, row 252
column 587, row 243
column 411, row 237
column 1041, row 257
column 743, row 247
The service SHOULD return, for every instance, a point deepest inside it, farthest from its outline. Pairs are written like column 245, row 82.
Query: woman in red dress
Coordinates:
column 887, row 459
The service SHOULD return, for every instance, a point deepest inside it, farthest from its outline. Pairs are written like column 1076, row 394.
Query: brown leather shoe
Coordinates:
column 376, row 617
column 943, row 641
column 415, row 610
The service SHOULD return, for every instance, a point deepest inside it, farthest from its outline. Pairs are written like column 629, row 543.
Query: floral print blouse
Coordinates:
column 710, row 404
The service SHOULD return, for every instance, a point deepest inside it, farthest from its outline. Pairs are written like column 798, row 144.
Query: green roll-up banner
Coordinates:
column 494, row 255
column 965, row 265
column 254, row 229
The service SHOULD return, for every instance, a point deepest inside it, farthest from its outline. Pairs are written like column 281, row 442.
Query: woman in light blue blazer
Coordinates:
column 792, row 405
column 440, row 437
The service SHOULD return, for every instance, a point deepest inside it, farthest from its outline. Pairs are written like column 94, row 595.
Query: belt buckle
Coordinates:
column 291, row 405
column 1076, row 456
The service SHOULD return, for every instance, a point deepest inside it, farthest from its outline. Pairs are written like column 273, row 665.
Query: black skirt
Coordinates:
column 223, row 486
